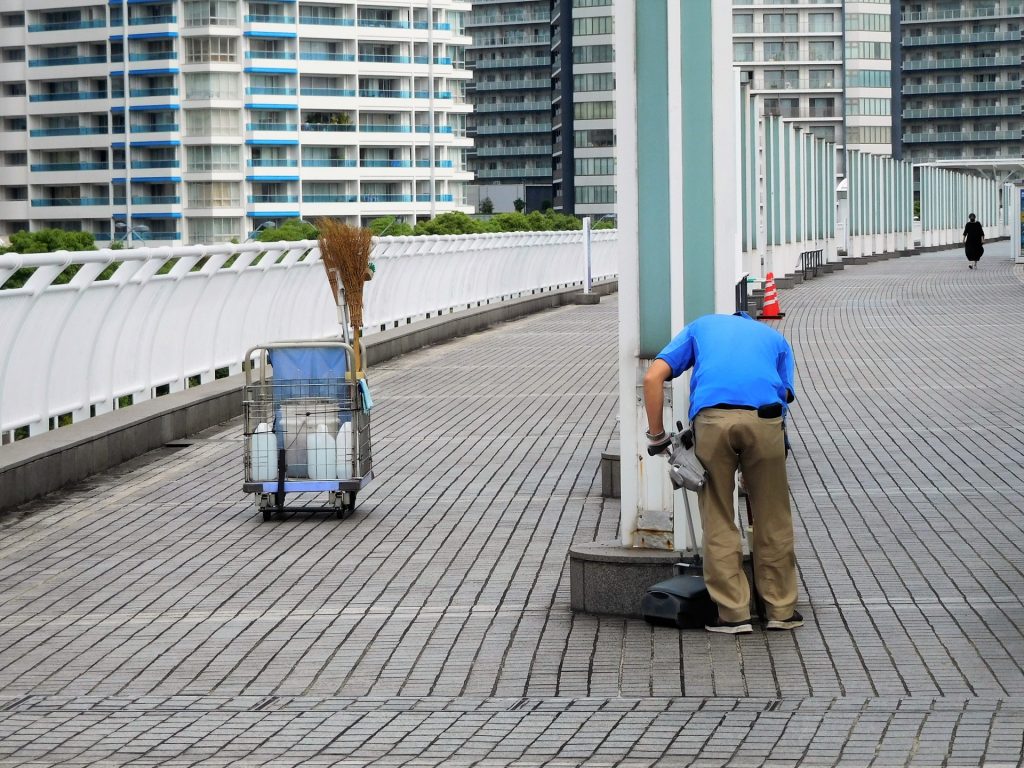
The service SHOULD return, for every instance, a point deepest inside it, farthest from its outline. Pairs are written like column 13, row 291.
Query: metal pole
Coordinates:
column 587, row 267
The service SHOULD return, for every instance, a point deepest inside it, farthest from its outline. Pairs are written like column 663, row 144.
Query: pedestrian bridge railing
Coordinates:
column 136, row 323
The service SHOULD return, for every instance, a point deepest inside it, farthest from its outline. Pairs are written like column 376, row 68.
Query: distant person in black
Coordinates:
column 974, row 236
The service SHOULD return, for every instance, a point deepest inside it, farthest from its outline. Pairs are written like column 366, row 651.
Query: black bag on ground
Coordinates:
column 682, row 601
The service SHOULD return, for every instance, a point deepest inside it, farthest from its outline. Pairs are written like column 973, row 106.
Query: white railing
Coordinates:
column 78, row 348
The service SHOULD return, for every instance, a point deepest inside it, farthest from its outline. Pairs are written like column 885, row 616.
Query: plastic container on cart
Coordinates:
column 321, row 429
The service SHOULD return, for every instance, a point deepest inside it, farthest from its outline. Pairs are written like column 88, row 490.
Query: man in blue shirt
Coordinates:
column 741, row 382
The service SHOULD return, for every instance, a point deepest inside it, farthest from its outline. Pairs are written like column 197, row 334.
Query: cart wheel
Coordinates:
column 347, row 504
column 279, row 499
column 268, row 515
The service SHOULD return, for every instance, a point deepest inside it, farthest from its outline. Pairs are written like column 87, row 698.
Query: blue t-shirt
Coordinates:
column 735, row 359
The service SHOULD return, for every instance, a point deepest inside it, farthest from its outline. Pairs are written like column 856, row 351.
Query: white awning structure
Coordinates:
column 1003, row 170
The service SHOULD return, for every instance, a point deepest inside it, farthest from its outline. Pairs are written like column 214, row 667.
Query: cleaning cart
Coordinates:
column 307, row 427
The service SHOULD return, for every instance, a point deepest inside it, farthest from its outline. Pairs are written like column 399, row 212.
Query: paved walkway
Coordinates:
column 149, row 616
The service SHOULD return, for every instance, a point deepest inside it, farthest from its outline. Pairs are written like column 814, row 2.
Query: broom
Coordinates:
column 345, row 253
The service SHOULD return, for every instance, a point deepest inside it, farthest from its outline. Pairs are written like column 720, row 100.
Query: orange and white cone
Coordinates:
column 770, row 311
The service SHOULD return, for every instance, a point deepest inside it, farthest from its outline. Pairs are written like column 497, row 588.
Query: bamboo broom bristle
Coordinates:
column 345, row 252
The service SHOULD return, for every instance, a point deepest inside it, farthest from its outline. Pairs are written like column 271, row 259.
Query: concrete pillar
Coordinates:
column 678, row 187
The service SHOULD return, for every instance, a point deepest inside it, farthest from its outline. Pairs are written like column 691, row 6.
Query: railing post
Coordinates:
column 587, row 263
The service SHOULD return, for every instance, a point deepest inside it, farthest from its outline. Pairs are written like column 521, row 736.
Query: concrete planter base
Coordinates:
column 608, row 578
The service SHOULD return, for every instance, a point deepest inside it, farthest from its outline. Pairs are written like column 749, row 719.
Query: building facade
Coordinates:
column 583, row 107
column 201, row 120
column 961, row 80
column 826, row 66
column 510, row 91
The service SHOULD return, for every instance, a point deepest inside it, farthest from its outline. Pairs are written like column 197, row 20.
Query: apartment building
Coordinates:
column 510, row 91
column 824, row 64
column 960, row 79
column 583, row 108
column 201, row 120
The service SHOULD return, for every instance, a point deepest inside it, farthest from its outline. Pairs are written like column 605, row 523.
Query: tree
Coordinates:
column 390, row 226
column 49, row 240
column 605, row 224
column 546, row 205
column 452, row 223
column 292, row 229
column 486, row 206
column 519, row 204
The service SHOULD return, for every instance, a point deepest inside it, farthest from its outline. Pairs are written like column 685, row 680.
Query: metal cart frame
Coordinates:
column 286, row 406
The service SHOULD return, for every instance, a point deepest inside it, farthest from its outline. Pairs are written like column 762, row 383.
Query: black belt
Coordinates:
column 770, row 411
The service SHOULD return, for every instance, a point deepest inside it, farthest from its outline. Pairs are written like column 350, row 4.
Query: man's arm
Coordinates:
column 654, row 397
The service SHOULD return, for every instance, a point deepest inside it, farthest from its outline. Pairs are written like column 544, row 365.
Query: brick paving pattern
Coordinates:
column 150, row 617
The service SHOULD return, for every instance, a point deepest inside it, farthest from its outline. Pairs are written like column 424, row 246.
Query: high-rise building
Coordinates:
column 510, row 91
column 825, row 65
column 201, row 120
column 961, row 80
column 583, row 111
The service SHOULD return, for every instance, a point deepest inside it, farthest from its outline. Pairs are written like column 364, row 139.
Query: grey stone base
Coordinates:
column 607, row 578
column 586, row 298
column 611, row 487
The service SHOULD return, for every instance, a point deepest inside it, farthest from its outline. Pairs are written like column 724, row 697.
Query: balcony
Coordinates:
column 380, row 58
column 257, row 199
column 156, row 200
column 487, row 20
column 385, row 163
column 272, row 19
column 928, row 89
column 142, row 165
column 142, row 93
column 511, row 85
column 48, row 202
column 385, row 198
column 494, row 130
column 438, row 95
column 515, row 106
column 437, row 129
column 1008, row 11
column 425, row 198
column 78, row 131
column 145, row 21
column 319, row 56
column 329, row 127
column 279, row 55
column 383, row 23
column 958, row 63
column 272, row 162
column 961, row 136
column 516, row 173
column 438, row 164
column 442, row 60
column 442, row 26
column 327, row 162
column 153, row 56
column 156, row 128
column 1014, row 110
column 327, row 21
column 372, row 93
column 264, row 91
column 374, row 128
column 330, row 198
column 78, row 96
column 329, row 92
column 65, row 25
column 68, row 61
column 44, row 167
column 523, row 61
column 961, row 39
column 270, row 126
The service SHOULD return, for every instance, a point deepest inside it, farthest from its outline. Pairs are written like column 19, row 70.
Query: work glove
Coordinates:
column 659, row 444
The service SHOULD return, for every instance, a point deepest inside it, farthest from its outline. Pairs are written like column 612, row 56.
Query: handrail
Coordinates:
column 134, row 321
column 811, row 262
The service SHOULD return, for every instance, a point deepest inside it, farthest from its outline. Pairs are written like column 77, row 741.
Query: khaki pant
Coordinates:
column 727, row 439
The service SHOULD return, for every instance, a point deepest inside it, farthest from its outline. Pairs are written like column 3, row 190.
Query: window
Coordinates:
column 603, row 193
column 821, row 50
column 14, row 89
column 14, row 54
column 868, row 107
column 597, row 137
column 15, row 158
column 823, row 78
column 214, row 157
column 204, row 230
column 593, row 54
column 202, row 49
column 592, row 25
column 867, row 22
column 788, row 51
column 213, row 122
column 595, row 166
column 867, row 49
column 590, row 3
column 593, row 110
column 15, row 193
column 869, row 78
column 15, row 123
column 742, row 51
column 214, row 194
column 203, row 13
column 868, row 134
column 604, row 81
column 13, row 20
column 821, row 22
column 211, row 85
column 743, row 22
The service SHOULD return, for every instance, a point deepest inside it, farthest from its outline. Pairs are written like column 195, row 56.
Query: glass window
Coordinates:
column 210, row 230
column 211, row 122
column 593, row 54
column 203, row 49
column 743, row 22
column 821, row 50
column 593, row 110
column 595, row 166
column 212, row 13
column 592, row 25
column 211, row 85
column 743, row 51
column 214, row 157
column 601, row 193
column 214, row 194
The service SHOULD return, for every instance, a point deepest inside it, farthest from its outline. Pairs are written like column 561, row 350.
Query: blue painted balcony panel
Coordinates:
column 68, row 61
column 385, row 198
column 153, row 56
column 48, row 202
column 383, row 23
column 270, row 54
column 63, row 25
column 385, row 163
column 316, row 162
column 270, row 126
column 43, row 167
column 80, row 131
column 340, row 92
column 327, row 21
column 257, row 18
column 330, row 198
column 265, row 91
column 316, row 56
column 156, row 128
column 273, row 162
column 259, row 199
column 371, row 93
column 140, row 165
column 78, row 96
column 145, row 21
column 156, row 200
column 384, row 58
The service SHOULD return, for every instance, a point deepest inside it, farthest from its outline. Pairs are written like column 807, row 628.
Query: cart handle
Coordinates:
column 263, row 349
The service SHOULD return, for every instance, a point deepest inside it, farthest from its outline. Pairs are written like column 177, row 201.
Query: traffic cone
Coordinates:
column 770, row 311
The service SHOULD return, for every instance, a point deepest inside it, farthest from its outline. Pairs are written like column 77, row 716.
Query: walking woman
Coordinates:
column 974, row 236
